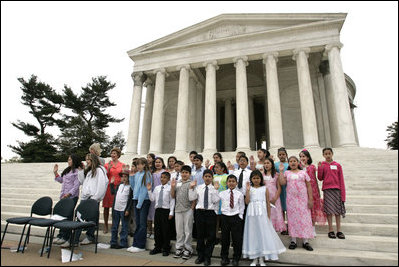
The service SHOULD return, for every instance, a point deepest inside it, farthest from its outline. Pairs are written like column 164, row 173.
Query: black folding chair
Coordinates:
column 64, row 208
column 89, row 212
column 43, row 206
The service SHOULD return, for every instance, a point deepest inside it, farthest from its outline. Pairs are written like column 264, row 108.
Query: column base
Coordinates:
column 209, row 151
column 243, row 149
column 275, row 147
column 348, row 145
column 154, row 152
column 180, row 154
column 311, row 146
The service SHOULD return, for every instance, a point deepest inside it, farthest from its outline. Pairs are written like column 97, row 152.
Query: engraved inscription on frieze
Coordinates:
column 225, row 31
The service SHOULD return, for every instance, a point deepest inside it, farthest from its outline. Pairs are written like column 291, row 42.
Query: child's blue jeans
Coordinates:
column 118, row 216
column 140, row 235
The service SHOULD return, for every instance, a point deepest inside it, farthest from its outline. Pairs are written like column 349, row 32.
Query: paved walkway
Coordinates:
column 104, row 257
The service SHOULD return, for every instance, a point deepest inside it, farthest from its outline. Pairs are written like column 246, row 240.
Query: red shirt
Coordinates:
column 332, row 177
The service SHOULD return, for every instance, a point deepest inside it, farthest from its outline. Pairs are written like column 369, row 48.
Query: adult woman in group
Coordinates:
column 113, row 167
column 96, row 150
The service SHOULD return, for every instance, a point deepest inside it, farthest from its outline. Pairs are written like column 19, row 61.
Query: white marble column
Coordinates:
column 200, row 117
column 326, row 124
column 157, row 123
column 228, row 125
column 182, row 110
column 240, row 64
column 252, row 134
column 309, row 123
column 210, row 132
column 273, row 101
column 192, row 110
column 346, row 134
column 149, row 101
column 330, row 100
column 135, row 108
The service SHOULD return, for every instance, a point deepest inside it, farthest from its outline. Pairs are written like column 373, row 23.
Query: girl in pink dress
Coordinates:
column 317, row 212
column 273, row 186
column 299, row 202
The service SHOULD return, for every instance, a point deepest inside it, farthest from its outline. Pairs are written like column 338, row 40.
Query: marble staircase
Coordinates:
column 370, row 225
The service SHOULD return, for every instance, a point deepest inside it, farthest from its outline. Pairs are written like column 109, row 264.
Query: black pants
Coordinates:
column 206, row 229
column 233, row 225
column 161, row 229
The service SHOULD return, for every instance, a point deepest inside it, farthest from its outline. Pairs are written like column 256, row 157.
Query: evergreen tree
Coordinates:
column 43, row 103
column 392, row 140
column 88, row 121
column 117, row 141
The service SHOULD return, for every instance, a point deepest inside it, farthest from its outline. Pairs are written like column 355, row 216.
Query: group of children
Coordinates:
column 249, row 201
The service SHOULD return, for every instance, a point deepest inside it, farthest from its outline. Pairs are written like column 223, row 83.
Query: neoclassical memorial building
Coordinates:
column 236, row 80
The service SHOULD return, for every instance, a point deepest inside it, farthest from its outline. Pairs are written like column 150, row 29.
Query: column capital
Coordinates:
column 138, row 78
column 213, row 63
column 185, row 66
column 324, row 67
column 271, row 54
column 243, row 58
column 162, row 71
column 296, row 51
column 149, row 81
column 330, row 46
column 229, row 99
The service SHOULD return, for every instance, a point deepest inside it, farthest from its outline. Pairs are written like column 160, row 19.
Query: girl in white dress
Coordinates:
column 260, row 238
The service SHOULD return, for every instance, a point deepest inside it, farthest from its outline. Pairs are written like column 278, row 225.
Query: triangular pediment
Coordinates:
column 235, row 25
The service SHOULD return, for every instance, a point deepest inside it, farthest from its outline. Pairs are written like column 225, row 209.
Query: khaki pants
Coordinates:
column 184, row 229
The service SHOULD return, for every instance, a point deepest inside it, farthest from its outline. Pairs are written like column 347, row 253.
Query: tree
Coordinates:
column 43, row 103
column 88, row 121
column 117, row 141
column 392, row 140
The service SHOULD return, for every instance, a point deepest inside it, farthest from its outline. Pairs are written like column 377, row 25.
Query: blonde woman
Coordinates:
column 96, row 150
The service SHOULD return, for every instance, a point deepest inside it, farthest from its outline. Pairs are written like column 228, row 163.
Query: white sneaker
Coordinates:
column 148, row 235
column 254, row 262
column 261, row 262
column 151, row 236
column 129, row 249
column 66, row 244
column 134, row 250
column 86, row 241
column 59, row 241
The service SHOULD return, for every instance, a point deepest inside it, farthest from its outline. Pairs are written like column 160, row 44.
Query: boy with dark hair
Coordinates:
column 207, row 197
column 164, row 210
column 232, row 219
column 199, row 169
column 183, row 213
column 192, row 155
column 176, row 174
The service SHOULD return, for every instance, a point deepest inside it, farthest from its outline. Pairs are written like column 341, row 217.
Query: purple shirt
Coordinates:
column 70, row 184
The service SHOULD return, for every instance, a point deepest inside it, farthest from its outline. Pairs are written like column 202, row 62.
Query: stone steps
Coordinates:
column 370, row 225
column 370, row 218
column 346, row 227
column 379, row 207
column 338, row 253
column 371, row 243
column 372, row 199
